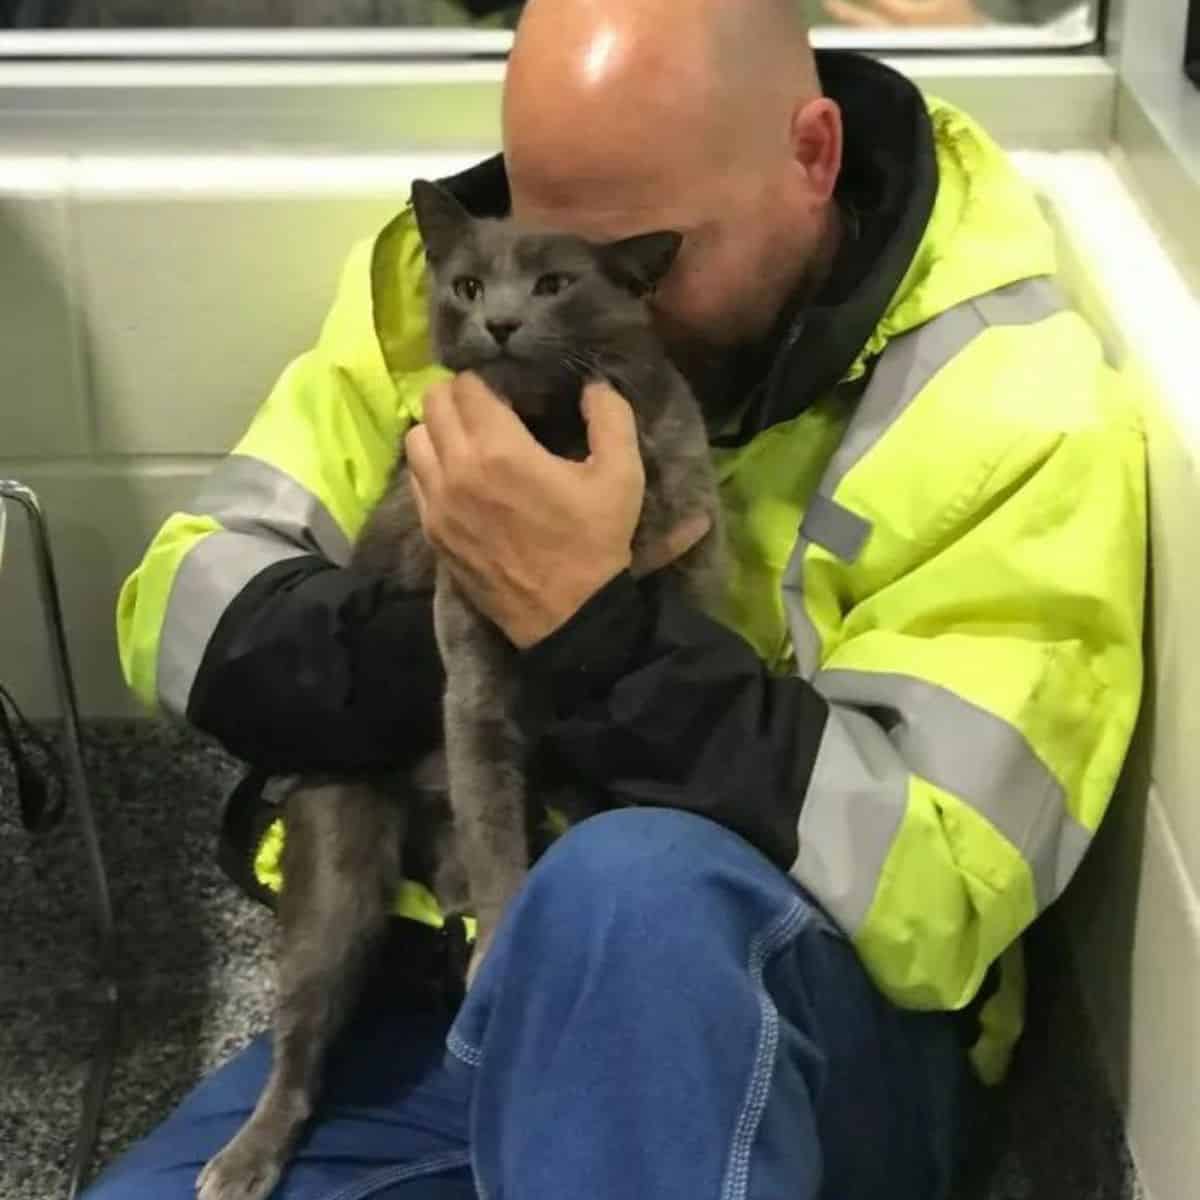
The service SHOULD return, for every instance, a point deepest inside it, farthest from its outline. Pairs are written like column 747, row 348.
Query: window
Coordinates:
column 193, row 14
column 318, row 28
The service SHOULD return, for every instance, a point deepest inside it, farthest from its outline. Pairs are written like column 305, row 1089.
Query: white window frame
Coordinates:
column 1074, row 31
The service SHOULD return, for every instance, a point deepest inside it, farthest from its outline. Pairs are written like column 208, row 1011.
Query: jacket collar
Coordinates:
column 886, row 191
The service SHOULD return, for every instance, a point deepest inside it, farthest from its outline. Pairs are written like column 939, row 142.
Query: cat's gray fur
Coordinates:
column 345, row 838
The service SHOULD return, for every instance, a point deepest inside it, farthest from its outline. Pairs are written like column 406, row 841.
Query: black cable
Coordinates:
column 41, row 808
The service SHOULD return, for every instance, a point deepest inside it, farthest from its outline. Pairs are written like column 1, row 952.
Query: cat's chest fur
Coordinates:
column 548, row 404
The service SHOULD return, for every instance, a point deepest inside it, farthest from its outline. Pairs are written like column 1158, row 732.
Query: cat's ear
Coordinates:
column 442, row 221
column 640, row 263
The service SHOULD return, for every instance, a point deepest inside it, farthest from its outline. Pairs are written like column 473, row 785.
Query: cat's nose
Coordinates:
column 502, row 330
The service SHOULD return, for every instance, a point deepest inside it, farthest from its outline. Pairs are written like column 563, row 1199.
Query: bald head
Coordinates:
column 701, row 116
column 654, row 83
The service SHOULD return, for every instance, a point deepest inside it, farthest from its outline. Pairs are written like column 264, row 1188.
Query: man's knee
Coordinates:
column 632, row 847
column 654, row 868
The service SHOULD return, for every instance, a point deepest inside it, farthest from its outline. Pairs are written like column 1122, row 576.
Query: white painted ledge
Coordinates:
column 1042, row 101
column 1134, row 916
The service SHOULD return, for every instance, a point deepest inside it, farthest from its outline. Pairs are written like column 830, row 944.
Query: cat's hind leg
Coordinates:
column 340, row 866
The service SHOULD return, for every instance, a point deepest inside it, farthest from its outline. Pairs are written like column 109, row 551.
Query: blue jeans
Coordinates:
column 663, row 1014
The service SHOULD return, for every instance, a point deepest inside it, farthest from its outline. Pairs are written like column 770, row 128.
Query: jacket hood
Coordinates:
column 934, row 214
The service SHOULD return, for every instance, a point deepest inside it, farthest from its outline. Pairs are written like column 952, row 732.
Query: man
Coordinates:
column 776, row 969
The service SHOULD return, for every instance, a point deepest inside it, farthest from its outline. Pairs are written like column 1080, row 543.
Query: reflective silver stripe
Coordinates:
column 856, row 801
column 1022, row 303
column 907, row 364
column 806, row 642
column 977, row 757
column 267, row 517
column 911, row 360
column 1073, row 842
column 859, row 788
column 826, row 523
column 211, row 574
column 249, row 495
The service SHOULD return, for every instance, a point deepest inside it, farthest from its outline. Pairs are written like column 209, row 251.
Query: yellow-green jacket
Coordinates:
column 919, row 695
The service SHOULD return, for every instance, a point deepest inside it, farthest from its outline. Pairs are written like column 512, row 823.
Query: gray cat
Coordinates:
column 535, row 314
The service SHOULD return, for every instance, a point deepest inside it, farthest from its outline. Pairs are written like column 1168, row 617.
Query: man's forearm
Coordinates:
column 317, row 667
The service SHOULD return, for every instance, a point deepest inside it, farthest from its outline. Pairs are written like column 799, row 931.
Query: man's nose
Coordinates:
column 502, row 330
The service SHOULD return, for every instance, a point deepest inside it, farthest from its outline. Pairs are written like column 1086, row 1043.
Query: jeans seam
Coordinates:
column 480, row 1190
column 363, row 1188
column 762, row 948
column 462, row 1050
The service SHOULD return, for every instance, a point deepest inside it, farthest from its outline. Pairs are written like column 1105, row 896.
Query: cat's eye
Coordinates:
column 468, row 288
column 552, row 284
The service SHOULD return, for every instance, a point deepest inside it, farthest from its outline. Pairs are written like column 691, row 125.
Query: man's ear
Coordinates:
column 441, row 220
column 640, row 263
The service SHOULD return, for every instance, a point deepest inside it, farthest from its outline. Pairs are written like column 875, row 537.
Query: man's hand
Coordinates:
column 873, row 14
column 527, row 535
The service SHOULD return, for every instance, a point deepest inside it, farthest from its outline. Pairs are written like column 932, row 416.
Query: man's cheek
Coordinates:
column 678, row 313
column 667, row 326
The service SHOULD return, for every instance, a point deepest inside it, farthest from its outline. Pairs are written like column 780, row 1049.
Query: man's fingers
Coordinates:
column 494, row 437
column 423, row 466
column 442, row 419
column 482, row 413
column 675, row 545
column 419, row 496
column 910, row 12
column 611, row 429
column 854, row 14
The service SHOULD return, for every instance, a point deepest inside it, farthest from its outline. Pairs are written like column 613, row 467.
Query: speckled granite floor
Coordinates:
column 195, row 966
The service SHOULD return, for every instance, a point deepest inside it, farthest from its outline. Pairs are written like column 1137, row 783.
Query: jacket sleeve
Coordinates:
column 657, row 703
column 937, row 780
column 244, row 616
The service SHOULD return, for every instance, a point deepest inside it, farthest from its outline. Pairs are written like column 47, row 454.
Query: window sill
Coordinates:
column 361, row 107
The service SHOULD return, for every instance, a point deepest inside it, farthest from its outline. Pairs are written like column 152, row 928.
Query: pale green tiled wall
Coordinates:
column 194, row 306
column 41, row 400
column 1133, row 916
column 138, row 333
column 101, row 519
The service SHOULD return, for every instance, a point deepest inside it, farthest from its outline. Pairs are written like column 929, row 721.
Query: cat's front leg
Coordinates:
column 485, row 758
column 700, row 569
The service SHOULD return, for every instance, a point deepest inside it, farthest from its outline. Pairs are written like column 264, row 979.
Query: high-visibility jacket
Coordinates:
column 919, row 693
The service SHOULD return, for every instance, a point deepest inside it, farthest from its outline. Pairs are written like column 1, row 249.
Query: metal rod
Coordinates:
column 96, row 1088
column 52, row 610
column 101, row 1069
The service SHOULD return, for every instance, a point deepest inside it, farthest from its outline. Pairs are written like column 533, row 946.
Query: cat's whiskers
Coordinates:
column 582, row 362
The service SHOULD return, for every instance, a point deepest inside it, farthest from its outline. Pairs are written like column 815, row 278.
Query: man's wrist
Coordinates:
column 589, row 652
column 542, row 616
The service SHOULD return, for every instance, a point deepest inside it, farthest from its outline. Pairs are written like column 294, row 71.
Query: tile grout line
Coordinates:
column 84, row 366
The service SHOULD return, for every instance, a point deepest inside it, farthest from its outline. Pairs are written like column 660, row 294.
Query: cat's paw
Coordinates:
column 244, row 1170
